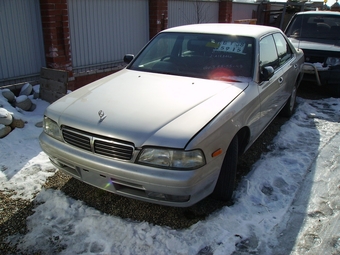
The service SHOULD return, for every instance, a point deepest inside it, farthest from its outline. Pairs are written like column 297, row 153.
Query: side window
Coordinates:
column 268, row 53
column 283, row 49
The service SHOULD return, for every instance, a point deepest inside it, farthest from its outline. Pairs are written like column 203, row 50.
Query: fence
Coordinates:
column 103, row 31
column 21, row 41
column 192, row 12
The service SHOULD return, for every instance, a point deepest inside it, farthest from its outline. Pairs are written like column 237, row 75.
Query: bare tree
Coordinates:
column 201, row 9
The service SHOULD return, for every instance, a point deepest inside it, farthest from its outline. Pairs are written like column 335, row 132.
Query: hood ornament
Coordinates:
column 102, row 115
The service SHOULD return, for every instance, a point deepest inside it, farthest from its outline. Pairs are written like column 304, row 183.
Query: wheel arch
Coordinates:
column 299, row 79
column 243, row 139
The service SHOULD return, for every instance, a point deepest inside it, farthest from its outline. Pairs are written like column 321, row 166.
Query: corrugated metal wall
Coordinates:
column 21, row 41
column 192, row 12
column 102, row 31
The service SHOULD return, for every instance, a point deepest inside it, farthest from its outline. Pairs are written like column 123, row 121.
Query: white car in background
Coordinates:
column 168, row 129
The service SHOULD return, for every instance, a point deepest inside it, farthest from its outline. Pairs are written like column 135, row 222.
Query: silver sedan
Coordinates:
column 168, row 129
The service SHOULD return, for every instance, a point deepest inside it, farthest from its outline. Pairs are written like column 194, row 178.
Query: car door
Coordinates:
column 287, row 66
column 269, row 90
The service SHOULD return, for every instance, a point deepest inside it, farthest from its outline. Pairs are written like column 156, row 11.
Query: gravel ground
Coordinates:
column 13, row 213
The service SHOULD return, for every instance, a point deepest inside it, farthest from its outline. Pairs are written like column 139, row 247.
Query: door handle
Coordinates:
column 280, row 80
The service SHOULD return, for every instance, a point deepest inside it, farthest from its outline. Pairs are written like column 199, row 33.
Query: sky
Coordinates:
column 288, row 203
column 330, row 2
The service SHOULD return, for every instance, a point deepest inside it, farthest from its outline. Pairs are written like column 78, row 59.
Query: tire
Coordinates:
column 227, row 178
column 288, row 109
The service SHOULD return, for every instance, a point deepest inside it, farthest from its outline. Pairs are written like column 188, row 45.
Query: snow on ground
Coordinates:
column 288, row 204
column 24, row 167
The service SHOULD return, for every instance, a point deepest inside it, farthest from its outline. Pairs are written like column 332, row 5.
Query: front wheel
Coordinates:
column 227, row 178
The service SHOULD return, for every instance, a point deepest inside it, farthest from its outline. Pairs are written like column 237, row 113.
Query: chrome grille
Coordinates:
column 76, row 139
column 112, row 149
column 97, row 144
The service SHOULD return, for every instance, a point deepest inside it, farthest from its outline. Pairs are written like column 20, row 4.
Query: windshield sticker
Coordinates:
column 212, row 45
column 234, row 47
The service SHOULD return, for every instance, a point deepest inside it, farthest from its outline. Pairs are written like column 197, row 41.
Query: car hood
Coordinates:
column 145, row 108
column 317, row 44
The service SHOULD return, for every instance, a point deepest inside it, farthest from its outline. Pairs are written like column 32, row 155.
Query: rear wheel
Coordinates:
column 288, row 109
column 226, row 180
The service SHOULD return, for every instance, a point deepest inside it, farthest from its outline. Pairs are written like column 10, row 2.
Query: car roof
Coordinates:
column 319, row 13
column 225, row 28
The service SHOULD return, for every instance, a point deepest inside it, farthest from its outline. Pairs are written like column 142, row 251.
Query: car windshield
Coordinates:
column 318, row 26
column 221, row 57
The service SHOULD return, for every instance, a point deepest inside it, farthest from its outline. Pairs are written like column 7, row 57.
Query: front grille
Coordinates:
column 98, row 144
column 113, row 149
column 77, row 139
column 315, row 59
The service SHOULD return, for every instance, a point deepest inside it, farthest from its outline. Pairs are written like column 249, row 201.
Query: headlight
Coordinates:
column 172, row 159
column 333, row 61
column 51, row 128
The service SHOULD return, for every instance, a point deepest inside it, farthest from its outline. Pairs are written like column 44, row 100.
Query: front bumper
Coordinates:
column 329, row 76
column 154, row 185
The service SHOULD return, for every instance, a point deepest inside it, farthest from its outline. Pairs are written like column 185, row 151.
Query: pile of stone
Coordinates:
column 22, row 102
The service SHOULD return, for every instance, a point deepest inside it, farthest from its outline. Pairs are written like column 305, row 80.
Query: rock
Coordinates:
column 26, row 89
column 23, row 102
column 6, row 117
column 36, row 91
column 39, row 124
column 33, row 106
column 17, row 123
column 9, row 95
column 4, row 130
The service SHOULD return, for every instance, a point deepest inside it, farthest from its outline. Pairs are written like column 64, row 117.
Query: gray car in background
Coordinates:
column 168, row 128
column 317, row 33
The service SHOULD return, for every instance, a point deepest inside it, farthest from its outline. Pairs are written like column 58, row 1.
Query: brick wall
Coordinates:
column 158, row 16
column 225, row 11
column 56, row 34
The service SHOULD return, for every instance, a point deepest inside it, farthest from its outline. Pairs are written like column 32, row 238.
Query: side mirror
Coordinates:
column 266, row 73
column 128, row 58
